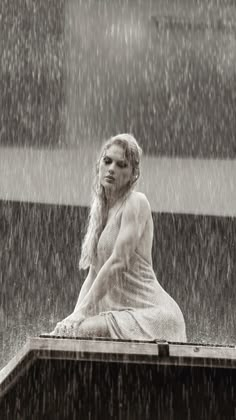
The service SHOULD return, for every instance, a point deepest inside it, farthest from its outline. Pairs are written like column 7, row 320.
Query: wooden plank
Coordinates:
column 144, row 352
column 182, row 354
column 175, row 22
column 80, row 349
column 196, row 351
column 16, row 367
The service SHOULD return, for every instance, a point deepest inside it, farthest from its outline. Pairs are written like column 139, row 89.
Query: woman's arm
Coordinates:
column 86, row 285
column 135, row 215
column 83, row 292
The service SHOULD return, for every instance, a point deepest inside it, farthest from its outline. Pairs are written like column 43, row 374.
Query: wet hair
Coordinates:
column 99, row 207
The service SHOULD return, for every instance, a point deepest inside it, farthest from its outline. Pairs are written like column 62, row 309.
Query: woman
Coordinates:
column 121, row 297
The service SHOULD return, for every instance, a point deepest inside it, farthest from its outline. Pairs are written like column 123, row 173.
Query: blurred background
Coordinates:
column 74, row 73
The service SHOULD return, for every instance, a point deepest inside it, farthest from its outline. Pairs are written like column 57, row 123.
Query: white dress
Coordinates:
column 137, row 307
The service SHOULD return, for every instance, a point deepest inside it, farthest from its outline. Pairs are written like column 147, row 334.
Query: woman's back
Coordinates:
column 144, row 247
column 134, row 301
column 144, row 223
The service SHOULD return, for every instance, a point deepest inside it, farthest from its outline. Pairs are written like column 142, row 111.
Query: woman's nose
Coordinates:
column 111, row 168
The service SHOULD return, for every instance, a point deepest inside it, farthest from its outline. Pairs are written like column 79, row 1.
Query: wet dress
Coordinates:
column 136, row 307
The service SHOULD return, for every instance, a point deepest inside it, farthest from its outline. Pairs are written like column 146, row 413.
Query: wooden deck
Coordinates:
column 50, row 364
column 151, row 352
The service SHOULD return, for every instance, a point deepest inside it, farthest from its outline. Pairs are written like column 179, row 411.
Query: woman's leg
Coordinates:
column 95, row 326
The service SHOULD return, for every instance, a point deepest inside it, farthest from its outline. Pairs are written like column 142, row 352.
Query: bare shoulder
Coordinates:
column 140, row 198
column 139, row 202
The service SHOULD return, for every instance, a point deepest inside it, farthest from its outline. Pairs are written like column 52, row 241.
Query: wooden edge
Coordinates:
column 15, row 368
column 106, row 348
column 175, row 22
column 182, row 354
column 157, row 352
column 205, row 352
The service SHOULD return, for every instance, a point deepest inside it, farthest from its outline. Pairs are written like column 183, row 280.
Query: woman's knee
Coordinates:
column 94, row 327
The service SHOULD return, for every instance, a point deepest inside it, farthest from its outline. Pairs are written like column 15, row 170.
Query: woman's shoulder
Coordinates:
column 139, row 200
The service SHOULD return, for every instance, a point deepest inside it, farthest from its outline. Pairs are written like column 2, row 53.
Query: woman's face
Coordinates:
column 114, row 170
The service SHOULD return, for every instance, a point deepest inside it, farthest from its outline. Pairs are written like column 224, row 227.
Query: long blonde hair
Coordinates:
column 99, row 207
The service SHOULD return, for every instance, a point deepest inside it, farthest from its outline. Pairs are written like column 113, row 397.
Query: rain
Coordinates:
column 72, row 75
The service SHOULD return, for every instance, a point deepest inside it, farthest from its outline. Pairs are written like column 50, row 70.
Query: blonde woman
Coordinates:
column 121, row 296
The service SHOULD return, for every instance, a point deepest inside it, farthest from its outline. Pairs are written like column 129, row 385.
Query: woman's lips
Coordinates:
column 109, row 178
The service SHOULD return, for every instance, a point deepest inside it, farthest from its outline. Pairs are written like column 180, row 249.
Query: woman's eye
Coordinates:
column 122, row 165
column 106, row 161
